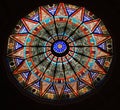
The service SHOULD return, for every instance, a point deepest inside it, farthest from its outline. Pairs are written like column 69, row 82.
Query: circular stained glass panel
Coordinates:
column 59, row 52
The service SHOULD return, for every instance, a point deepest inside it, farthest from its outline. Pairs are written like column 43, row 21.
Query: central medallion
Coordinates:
column 60, row 48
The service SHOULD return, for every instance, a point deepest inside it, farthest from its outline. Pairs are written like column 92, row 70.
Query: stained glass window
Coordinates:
column 59, row 52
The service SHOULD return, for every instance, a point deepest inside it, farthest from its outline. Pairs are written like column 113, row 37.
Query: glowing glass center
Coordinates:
column 59, row 46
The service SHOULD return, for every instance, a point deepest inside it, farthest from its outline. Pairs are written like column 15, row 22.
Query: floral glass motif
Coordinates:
column 59, row 52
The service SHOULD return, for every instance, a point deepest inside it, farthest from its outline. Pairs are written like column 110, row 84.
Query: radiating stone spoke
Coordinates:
column 74, row 31
column 82, row 54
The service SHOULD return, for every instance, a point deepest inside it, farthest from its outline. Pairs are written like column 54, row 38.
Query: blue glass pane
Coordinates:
column 59, row 46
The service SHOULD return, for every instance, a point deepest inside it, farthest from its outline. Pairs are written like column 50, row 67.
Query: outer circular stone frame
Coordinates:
column 59, row 52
